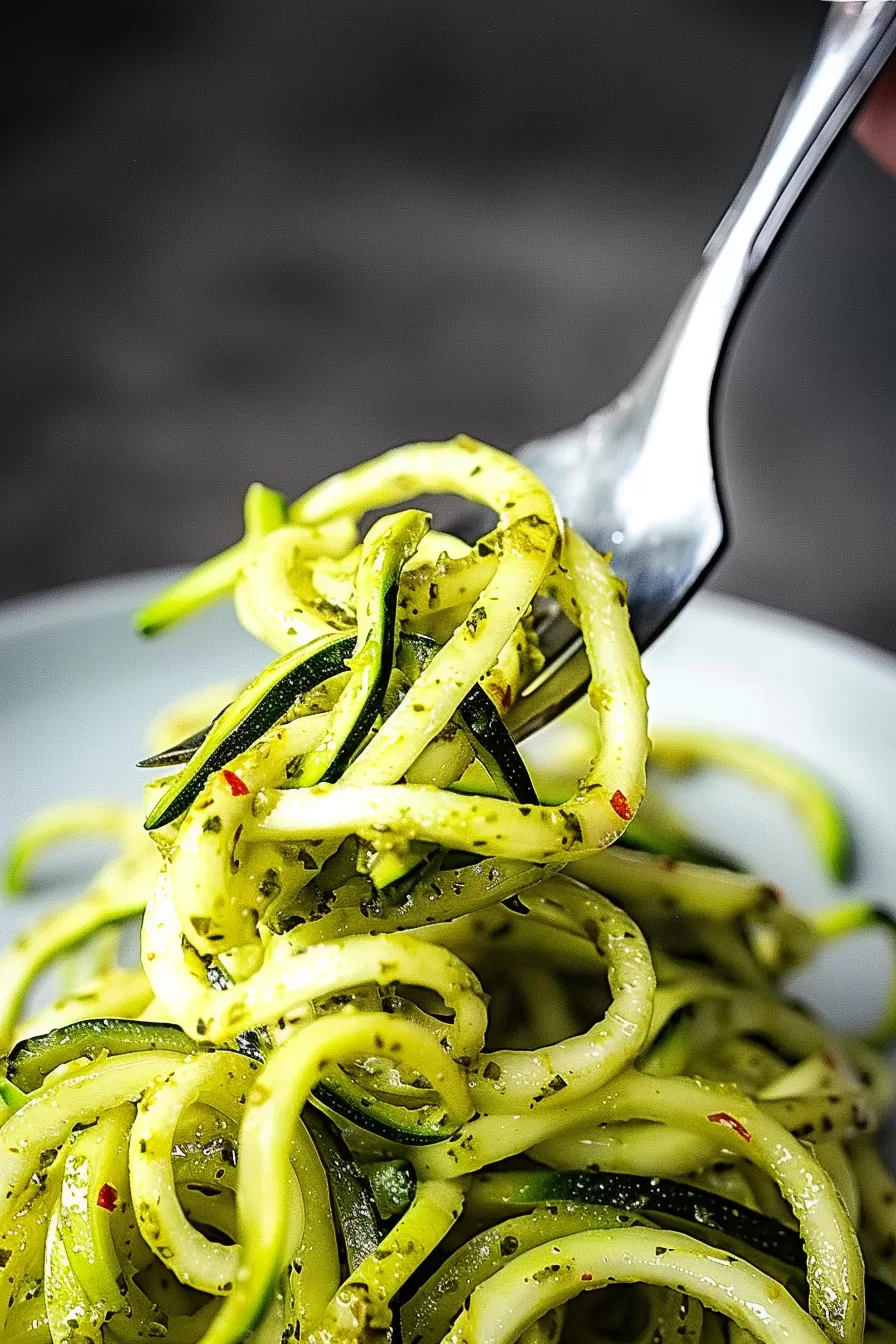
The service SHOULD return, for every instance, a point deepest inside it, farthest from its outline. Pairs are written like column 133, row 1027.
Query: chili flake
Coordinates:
column 723, row 1118
column 107, row 1198
column 619, row 804
column 235, row 784
column 586, row 1278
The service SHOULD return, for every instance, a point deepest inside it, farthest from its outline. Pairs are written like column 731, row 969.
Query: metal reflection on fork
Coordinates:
column 637, row 478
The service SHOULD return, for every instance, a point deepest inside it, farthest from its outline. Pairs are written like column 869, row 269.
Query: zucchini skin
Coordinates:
column 366, row 1117
column 356, row 1213
column 301, row 676
column 479, row 716
column 181, row 753
column 674, row 1199
column 489, row 735
column 364, row 1113
column 385, row 551
column 664, row 1198
column 494, row 745
column 31, row 1060
column 374, row 701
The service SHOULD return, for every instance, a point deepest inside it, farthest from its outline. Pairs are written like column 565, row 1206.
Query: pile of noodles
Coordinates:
column 416, row 1050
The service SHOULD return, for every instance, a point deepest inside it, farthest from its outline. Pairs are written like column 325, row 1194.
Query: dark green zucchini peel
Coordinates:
column 373, row 703
column 182, row 751
column 207, row 751
column 351, row 1103
column 360, row 1227
column 480, row 721
column 31, row 1060
column 276, row 693
column 680, row 1203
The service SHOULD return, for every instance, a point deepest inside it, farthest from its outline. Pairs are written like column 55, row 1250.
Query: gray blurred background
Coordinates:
column 266, row 240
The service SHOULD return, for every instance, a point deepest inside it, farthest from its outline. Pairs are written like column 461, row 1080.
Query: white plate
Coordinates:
column 78, row 687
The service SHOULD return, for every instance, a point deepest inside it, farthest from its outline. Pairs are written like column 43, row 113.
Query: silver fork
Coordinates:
column 637, row 477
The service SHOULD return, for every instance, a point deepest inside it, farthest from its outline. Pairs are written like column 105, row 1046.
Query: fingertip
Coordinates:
column 875, row 125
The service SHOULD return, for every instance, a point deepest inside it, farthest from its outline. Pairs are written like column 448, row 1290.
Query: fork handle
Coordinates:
column 855, row 42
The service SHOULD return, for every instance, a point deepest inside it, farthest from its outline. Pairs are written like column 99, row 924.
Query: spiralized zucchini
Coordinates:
column 415, row 1052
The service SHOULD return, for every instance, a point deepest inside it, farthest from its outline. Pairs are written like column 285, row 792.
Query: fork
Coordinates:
column 637, row 478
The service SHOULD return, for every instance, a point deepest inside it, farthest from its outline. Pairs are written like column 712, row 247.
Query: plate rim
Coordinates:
column 35, row 613
column 79, row 600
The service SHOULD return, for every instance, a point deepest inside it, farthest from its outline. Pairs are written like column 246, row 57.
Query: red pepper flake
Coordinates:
column 619, row 804
column 235, row 784
column 586, row 1278
column 723, row 1118
column 107, row 1197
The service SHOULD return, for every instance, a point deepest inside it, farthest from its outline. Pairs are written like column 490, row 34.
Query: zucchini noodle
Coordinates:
column 420, row 1047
